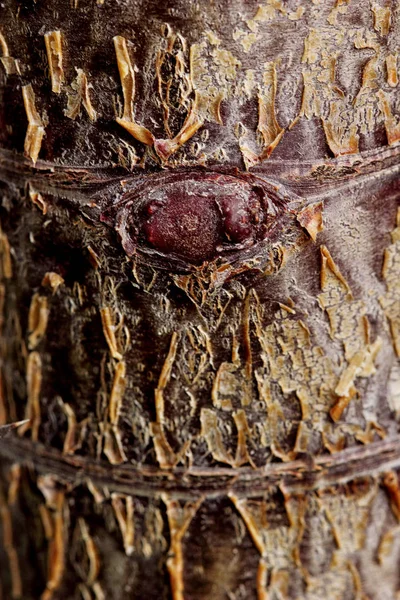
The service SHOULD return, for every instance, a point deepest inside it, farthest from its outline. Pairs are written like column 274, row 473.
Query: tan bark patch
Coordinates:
column 53, row 41
column 35, row 131
column 80, row 96
column 123, row 509
column 37, row 320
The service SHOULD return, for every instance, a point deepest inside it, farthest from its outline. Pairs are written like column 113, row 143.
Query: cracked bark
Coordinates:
column 199, row 300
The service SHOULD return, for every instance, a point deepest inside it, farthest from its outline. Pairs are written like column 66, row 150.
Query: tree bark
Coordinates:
column 199, row 300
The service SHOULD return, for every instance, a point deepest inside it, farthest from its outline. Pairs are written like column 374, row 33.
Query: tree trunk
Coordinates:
column 200, row 300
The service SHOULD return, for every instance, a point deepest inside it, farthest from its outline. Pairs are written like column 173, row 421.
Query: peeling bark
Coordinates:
column 199, row 300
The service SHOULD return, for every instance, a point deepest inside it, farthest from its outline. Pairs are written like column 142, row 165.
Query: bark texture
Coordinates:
column 200, row 300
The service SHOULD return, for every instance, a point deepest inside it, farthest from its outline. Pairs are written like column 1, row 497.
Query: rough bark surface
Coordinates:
column 200, row 300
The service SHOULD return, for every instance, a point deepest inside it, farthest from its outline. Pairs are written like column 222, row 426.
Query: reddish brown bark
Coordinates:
column 200, row 303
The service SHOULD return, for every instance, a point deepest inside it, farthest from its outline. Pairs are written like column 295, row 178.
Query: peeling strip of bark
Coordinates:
column 94, row 259
column 80, row 96
column 356, row 366
column 34, row 384
column 342, row 403
column 91, row 551
column 37, row 198
column 52, row 280
column 37, row 320
column 98, row 495
column 8, row 543
column 392, row 125
column 395, row 332
column 261, row 580
column 107, row 320
column 193, row 122
column 53, row 41
column 3, row 405
column 2, row 302
column 165, row 376
column 10, row 64
column 279, row 584
column 386, row 543
column 390, row 272
column 5, row 253
column 247, row 349
column 392, row 486
column 224, row 372
column 3, row 44
column 47, row 521
column 179, row 519
column 213, row 436
column 137, row 131
column 328, row 264
column 117, row 392
column 391, row 67
column 75, row 432
column 311, row 219
column 35, row 131
column 113, row 448
column 127, row 76
column 268, row 124
column 382, row 18
column 15, row 481
column 165, row 455
column 124, row 512
column 340, row 139
column 56, row 552
column 241, row 506
column 242, row 454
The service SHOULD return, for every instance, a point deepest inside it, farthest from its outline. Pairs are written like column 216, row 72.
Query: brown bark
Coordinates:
column 199, row 300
